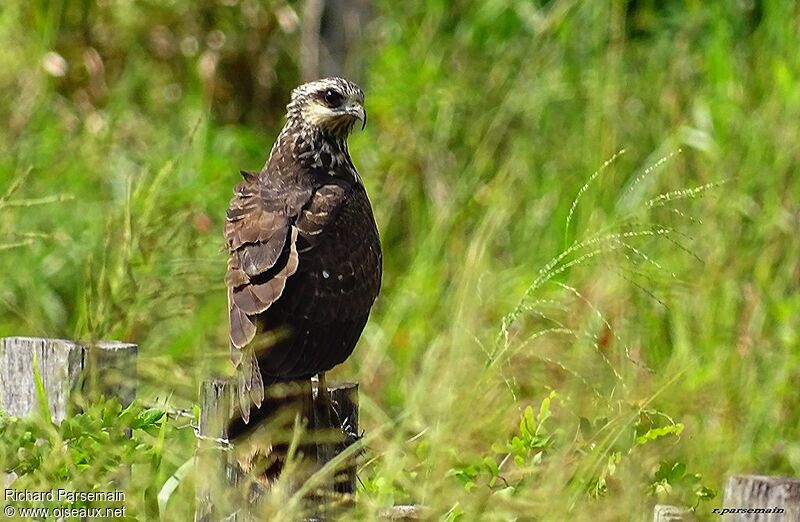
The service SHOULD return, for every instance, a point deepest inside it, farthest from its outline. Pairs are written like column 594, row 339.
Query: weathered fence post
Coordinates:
column 665, row 513
column 65, row 367
column 216, row 456
column 345, row 399
column 213, row 456
column 755, row 497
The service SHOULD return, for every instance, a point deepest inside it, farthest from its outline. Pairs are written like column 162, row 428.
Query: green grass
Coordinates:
column 549, row 344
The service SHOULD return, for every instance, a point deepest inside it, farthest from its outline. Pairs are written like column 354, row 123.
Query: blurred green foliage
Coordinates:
column 88, row 452
column 662, row 307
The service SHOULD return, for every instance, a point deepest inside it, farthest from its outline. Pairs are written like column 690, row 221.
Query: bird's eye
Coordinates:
column 332, row 98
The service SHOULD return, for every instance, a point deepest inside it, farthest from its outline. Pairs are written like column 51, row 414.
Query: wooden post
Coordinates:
column 665, row 513
column 216, row 456
column 214, row 461
column 344, row 419
column 754, row 497
column 65, row 367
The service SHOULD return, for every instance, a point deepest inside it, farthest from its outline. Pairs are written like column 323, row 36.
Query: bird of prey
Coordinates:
column 305, row 255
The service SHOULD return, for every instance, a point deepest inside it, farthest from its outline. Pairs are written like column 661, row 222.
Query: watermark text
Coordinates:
column 743, row 510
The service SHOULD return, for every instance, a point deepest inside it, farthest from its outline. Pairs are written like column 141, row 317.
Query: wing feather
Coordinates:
column 263, row 255
column 257, row 258
column 242, row 328
column 255, row 297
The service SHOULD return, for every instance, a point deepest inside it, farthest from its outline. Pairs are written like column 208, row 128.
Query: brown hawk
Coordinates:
column 305, row 256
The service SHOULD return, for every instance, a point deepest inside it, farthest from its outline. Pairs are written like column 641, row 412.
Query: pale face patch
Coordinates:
column 332, row 105
column 337, row 120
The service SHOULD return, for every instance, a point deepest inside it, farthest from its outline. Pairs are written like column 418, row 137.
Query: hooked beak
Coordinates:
column 357, row 111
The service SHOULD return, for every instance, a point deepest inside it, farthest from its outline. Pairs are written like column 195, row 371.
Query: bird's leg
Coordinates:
column 323, row 422
column 332, row 417
column 324, row 399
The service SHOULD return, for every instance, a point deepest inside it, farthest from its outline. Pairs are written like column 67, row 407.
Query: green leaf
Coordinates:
column 147, row 418
column 663, row 489
column 527, row 423
column 537, row 459
column 705, row 493
column 678, row 471
column 585, row 427
column 491, row 466
column 657, row 433
column 544, row 408
column 172, row 484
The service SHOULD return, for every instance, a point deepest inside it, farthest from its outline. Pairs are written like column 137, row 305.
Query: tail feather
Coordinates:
column 251, row 385
column 272, row 398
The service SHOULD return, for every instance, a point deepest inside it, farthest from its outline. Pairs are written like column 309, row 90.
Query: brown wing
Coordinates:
column 328, row 299
column 263, row 255
column 305, row 264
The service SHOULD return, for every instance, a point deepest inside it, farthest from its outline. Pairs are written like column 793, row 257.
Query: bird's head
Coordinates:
column 331, row 105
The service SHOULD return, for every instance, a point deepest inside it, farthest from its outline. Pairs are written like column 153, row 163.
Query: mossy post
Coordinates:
column 68, row 370
column 760, row 498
